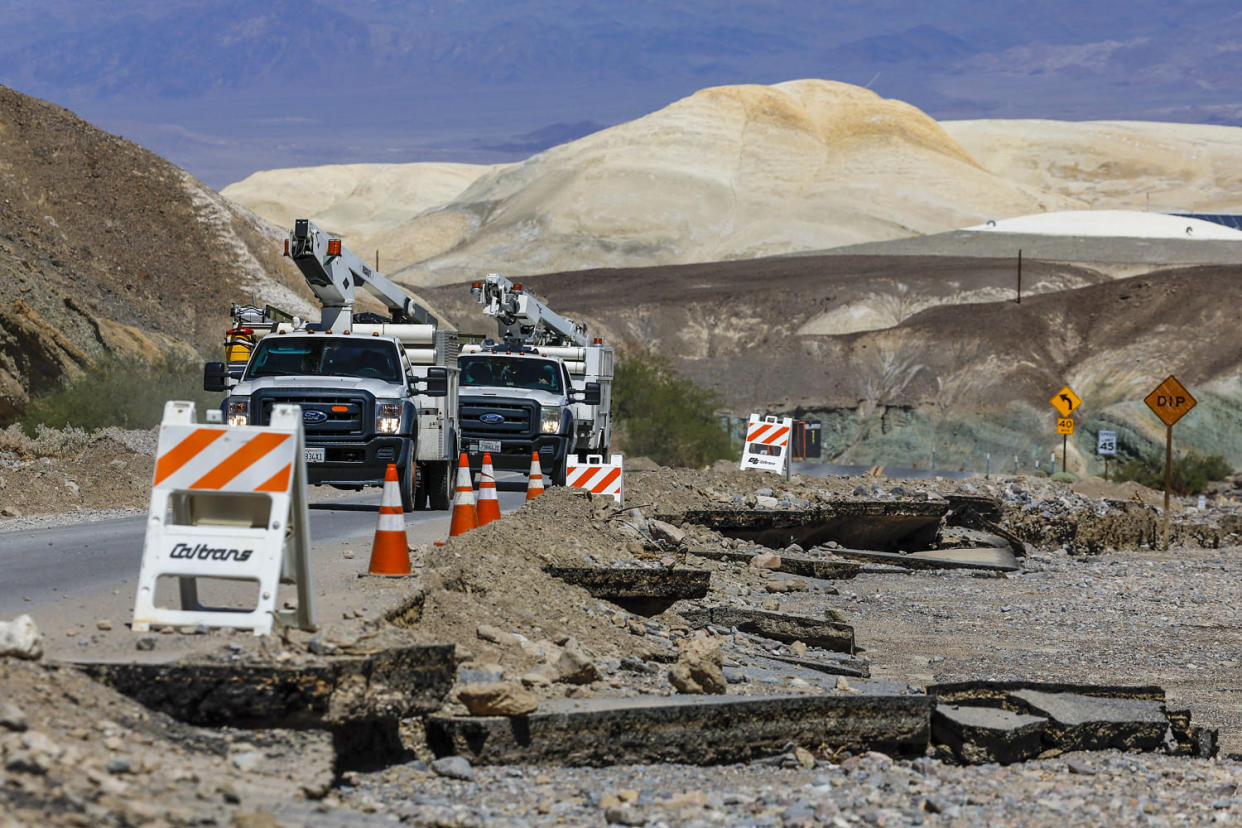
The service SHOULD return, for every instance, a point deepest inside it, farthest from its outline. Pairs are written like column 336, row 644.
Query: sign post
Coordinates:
column 1106, row 447
column 1170, row 402
column 1065, row 402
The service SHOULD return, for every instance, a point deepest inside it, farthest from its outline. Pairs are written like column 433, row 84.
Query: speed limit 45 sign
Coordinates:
column 1106, row 444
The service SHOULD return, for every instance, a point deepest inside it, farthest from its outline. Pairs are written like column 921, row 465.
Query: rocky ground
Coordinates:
column 1094, row 601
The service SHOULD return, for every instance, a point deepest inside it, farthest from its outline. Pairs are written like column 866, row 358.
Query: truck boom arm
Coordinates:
column 524, row 319
column 333, row 273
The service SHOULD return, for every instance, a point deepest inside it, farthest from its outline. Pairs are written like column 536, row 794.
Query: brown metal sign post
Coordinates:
column 1065, row 427
column 1170, row 402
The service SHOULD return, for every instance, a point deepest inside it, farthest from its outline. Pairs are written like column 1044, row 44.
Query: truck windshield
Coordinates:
column 326, row 356
column 510, row 372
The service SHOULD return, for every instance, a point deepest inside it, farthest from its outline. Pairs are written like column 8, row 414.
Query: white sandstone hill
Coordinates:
column 354, row 200
column 1123, row 165
column 729, row 172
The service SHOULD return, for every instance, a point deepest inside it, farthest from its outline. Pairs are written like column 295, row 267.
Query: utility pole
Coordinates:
column 1019, row 275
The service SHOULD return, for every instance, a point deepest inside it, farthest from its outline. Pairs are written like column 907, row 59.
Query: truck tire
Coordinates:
column 408, row 482
column 420, row 493
column 558, row 474
column 440, row 486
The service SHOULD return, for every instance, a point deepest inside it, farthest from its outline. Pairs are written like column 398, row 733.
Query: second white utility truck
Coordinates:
column 541, row 386
column 373, row 391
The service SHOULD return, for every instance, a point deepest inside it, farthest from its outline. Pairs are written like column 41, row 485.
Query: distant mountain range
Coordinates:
column 225, row 87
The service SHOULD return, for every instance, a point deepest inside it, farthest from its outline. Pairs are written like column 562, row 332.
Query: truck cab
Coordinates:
column 514, row 404
column 374, row 391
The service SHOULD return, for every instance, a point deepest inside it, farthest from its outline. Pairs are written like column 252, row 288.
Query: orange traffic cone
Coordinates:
column 489, row 506
column 535, row 487
column 390, row 554
column 465, row 517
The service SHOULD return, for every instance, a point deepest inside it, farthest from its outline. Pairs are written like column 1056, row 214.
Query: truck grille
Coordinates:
column 341, row 415
column 521, row 419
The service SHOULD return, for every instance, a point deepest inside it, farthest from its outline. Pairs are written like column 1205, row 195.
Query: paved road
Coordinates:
column 46, row 564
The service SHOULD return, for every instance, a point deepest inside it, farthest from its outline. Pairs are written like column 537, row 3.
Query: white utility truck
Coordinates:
column 541, row 386
column 373, row 391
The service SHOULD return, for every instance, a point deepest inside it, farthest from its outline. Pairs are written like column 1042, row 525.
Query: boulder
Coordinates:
column 570, row 665
column 699, row 666
column 498, row 698
column 20, row 638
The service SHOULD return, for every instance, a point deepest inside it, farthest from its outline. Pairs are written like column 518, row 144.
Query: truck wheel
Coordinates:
column 420, row 493
column 558, row 474
column 407, row 481
column 441, row 486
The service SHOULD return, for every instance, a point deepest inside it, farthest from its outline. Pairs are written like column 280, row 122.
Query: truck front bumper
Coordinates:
column 356, row 463
column 514, row 455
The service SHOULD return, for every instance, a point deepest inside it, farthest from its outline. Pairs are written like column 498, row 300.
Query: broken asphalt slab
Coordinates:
column 699, row 730
column 1002, row 559
column 862, row 524
column 978, row 735
column 631, row 582
column 824, row 569
column 826, row 635
column 842, row 665
column 1078, row 722
column 1087, row 716
column 393, row 683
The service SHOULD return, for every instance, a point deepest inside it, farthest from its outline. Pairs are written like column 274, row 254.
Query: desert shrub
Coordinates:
column 126, row 393
column 662, row 415
column 45, row 442
column 1063, row 477
column 1189, row 474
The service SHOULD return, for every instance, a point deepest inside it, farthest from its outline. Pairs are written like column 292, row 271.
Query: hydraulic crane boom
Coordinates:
column 522, row 318
column 333, row 273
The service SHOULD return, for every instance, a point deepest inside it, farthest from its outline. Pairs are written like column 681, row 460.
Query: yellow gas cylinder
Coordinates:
column 238, row 343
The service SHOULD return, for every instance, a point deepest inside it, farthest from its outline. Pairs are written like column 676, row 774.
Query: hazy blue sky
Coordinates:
column 224, row 87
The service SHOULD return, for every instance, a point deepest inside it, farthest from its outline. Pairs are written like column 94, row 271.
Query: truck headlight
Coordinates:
column 549, row 419
column 387, row 417
column 237, row 413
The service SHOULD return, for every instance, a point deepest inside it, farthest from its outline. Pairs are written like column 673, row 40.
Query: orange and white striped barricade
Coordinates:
column 767, row 444
column 596, row 476
column 228, row 504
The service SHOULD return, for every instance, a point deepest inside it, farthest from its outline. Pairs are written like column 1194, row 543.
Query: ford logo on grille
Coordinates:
column 312, row 416
column 491, row 419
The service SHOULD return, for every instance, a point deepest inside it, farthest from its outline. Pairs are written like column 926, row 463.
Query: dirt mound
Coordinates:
column 1130, row 490
column 62, row 471
column 495, row 575
column 87, row 755
column 107, row 248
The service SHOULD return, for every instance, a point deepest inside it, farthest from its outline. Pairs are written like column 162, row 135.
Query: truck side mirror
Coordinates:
column 591, row 395
column 215, row 377
column 436, row 383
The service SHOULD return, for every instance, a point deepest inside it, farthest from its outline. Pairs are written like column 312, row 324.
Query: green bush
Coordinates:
column 1063, row 477
column 126, row 393
column 661, row 415
column 1189, row 474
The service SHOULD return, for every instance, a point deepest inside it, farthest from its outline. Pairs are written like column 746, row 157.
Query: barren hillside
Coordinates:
column 896, row 353
column 107, row 248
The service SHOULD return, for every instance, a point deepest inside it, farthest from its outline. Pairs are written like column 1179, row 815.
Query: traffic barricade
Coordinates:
column 767, row 444
column 596, row 476
column 227, row 504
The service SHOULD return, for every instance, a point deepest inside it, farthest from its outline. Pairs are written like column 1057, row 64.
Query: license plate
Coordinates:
column 314, row 455
column 489, row 445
